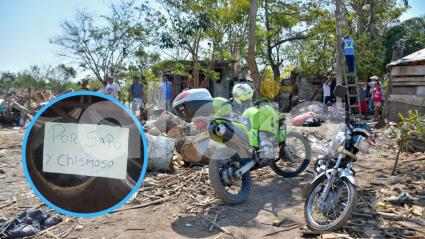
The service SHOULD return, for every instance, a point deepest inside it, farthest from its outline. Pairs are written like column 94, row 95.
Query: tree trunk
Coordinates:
column 398, row 50
column 268, row 40
column 252, row 64
column 372, row 20
column 195, row 69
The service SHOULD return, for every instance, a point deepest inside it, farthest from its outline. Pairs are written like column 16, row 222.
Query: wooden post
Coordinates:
column 338, row 47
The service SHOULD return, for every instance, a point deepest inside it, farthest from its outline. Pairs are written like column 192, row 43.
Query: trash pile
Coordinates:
column 392, row 206
column 189, row 188
column 28, row 223
column 14, row 105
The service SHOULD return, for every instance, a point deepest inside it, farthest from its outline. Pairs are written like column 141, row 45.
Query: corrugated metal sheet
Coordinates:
column 417, row 57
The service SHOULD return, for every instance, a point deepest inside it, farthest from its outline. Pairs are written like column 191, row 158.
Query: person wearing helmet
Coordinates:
column 242, row 96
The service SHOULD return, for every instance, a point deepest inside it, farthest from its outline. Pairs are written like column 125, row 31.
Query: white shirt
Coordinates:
column 326, row 89
column 115, row 89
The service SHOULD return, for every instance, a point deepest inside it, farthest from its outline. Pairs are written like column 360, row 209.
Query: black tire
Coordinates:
column 346, row 215
column 288, row 173
column 218, row 186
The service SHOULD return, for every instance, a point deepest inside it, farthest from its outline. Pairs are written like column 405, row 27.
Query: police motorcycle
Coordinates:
column 331, row 196
column 254, row 139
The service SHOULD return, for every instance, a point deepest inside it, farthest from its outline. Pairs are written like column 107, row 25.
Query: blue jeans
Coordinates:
column 350, row 63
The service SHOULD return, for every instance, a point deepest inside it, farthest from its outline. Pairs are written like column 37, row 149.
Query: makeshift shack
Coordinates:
column 407, row 85
column 220, row 87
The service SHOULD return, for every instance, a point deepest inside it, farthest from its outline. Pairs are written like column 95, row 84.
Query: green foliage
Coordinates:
column 187, row 22
column 57, row 79
column 175, row 67
column 315, row 56
column 211, row 74
column 411, row 30
column 7, row 80
column 369, row 57
column 104, row 44
column 410, row 127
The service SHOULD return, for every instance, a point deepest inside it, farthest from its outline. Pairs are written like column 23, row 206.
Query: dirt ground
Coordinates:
column 182, row 205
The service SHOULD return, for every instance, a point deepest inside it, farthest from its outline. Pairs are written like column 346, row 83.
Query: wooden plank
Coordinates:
column 418, row 70
column 410, row 83
column 408, row 99
column 407, row 78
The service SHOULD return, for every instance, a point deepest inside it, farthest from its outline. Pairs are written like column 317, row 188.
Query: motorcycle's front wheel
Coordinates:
column 335, row 210
column 229, row 188
column 294, row 156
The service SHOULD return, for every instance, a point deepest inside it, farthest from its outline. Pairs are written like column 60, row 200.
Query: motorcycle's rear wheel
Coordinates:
column 294, row 164
column 233, row 193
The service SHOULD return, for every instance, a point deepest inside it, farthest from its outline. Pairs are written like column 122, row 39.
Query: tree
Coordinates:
column 103, row 44
column 286, row 22
column 7, row 80
column 187, row 23
column 412, row 31
column 226, row 34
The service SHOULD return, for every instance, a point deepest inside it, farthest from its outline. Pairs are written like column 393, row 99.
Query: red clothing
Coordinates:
column 363, row 107
column 377, row 95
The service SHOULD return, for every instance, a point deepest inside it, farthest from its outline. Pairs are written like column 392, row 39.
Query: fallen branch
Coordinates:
column 142, row 205
column 288, row 228
column 415, row 227
column 212, row 225
column 216, row 225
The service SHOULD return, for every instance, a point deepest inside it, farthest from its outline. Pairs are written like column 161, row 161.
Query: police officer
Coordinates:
column 348, row 46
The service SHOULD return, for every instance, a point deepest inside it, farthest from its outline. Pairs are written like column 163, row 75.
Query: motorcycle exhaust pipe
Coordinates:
column 224, row 132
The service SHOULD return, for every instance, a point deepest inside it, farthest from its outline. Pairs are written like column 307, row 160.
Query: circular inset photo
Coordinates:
column 84, row 154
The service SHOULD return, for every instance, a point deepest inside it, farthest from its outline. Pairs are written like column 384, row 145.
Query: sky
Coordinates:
column 27, row 25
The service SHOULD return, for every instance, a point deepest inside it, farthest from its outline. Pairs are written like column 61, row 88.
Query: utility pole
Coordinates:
column 338, row 48
column 338, row 45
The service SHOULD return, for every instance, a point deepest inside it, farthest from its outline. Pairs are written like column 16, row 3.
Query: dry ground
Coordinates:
column 184, row 202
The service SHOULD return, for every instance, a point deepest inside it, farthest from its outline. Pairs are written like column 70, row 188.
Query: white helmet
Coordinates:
column 242, row 92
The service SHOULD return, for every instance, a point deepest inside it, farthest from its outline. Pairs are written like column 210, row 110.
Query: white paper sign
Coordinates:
column 85, row 149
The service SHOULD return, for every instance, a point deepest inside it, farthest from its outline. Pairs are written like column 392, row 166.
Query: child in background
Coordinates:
column 377, row 100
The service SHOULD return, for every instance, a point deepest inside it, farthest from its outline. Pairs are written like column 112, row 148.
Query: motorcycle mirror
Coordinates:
column 340, row 91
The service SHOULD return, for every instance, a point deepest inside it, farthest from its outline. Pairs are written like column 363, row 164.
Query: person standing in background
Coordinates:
column 136, row 94
column 85, row 84
column 327, row 97
column 372, row 84
column 348, row 47
column 167, row 92
column 377, row 100
column 113, row 88
column 362, row 99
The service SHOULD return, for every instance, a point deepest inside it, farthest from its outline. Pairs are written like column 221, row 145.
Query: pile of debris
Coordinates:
column 28, row 223
column 188, row 188
column 174, row 142
column 392, row 206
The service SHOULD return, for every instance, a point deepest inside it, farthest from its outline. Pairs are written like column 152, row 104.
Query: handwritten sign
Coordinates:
column 85, row 149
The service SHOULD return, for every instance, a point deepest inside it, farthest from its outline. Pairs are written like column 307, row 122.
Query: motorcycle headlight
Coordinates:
column 362, row 144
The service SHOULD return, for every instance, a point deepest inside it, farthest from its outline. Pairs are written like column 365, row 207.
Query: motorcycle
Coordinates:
column 331, row 196
column 257, row 138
